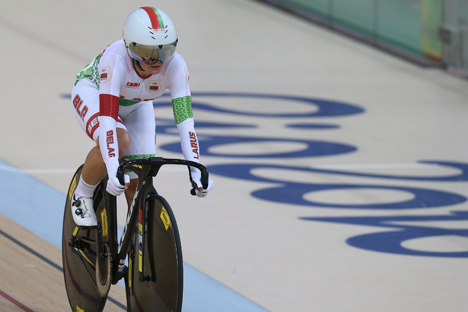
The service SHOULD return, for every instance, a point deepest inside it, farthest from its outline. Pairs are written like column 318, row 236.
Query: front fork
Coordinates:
column 145, row 203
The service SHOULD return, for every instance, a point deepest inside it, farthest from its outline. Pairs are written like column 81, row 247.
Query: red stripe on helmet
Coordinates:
column 154, row 17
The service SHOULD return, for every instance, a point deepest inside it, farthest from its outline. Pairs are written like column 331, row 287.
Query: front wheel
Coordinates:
column 155, row 278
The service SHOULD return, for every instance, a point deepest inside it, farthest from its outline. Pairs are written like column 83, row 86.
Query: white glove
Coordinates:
column 196, row 177
column 114, row 187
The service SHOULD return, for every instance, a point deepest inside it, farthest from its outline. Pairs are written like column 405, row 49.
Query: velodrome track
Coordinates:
column 341, row 172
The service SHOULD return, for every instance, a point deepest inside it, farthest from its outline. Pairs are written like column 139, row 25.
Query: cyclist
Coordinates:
column 113, row 102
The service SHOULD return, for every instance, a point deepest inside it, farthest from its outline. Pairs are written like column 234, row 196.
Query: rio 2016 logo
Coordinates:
column 396, row 230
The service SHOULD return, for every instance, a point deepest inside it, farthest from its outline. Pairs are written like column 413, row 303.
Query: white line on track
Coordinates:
column 180, row 168
column 375, row 166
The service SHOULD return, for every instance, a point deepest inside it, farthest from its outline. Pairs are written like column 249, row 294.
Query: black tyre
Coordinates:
column 163, row 265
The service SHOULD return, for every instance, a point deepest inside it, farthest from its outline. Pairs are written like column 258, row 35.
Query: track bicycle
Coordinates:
column 148, row 256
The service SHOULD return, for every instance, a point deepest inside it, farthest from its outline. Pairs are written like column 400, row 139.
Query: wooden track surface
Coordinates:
column 31, row 277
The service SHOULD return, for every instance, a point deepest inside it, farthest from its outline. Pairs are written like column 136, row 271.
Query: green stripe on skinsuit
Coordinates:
column 124, row 102
column 138, row 156
column 182, row 108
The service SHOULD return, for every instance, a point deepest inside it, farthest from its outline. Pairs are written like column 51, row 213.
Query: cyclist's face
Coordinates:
column 152, row 69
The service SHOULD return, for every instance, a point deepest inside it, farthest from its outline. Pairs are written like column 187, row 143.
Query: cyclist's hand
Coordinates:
column 114, row 187
column 200, row 191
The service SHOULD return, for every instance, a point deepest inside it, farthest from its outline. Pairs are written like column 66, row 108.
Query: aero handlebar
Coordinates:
column 157, row 162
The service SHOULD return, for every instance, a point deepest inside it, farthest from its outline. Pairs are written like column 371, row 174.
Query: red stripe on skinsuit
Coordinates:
column 157, row 24
column 109, row 106
column 91, row 131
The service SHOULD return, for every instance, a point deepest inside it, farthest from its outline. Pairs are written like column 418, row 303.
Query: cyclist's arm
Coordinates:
column 182, row 107
column 188, row 136
column 112, row 69
column 186, row 128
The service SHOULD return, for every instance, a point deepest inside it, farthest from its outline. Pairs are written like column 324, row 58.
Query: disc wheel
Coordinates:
column 159, row 287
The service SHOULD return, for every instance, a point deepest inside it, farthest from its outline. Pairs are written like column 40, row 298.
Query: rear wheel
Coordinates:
column 80, row 255
column 159, row 284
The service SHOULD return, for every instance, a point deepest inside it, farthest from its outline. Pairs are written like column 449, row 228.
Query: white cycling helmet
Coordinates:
column 150, row 35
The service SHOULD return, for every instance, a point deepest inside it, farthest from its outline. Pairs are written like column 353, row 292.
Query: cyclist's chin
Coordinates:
column 153, row 69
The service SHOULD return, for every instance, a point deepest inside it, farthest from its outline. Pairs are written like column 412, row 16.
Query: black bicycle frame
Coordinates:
column 146, row 169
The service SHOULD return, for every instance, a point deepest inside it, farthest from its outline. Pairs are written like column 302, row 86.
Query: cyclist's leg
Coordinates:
column 85, row 101
column 140, row 123
column 130, row 191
